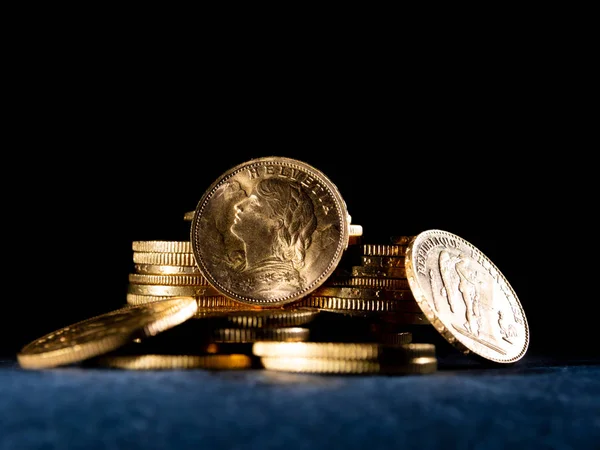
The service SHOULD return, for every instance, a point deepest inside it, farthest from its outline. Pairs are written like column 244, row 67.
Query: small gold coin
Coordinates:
column 343, row 350
column 172, row 291
column 363, row 293
column 394, row 338
column 171, row 362
column 383, row 250
column 378, row 272
column 240, row 335
column 393, row 317
column 422, row 365
column 368, row 282
column 168, row 280
column 382, row 261
column 105, row 333
column 155, row 269
column 215, row 301
column 359, row 304
column 162, row 246
column 270, row 318
column 164, row 259
column 466, row 297
column 355, row 230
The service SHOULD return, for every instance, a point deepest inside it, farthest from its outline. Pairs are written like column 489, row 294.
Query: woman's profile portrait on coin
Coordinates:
column 270, row 231
column 275, row 223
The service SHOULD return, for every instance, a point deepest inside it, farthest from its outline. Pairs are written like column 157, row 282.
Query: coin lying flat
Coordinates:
column 215, row 302
column 244, row 335
column 421, row 365
column 162, row 246
column 269, row 318
column 343, row 350
column 466, row 297
column 104, row 333
column 156, row 269
column 168, row 280
column 269, row 231
column 169, row 362
column 159, row 290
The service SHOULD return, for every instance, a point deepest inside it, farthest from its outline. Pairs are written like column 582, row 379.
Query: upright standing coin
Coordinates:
column 466, row 297
column 104, row 333
column 269, row 231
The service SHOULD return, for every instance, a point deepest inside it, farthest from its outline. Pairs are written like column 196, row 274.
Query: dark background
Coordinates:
column 109, row 145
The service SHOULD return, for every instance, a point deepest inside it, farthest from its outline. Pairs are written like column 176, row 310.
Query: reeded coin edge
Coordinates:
column 342, row 350
column 169, row 362
column 421, row 365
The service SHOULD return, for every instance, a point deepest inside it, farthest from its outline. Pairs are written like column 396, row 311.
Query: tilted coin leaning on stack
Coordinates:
column 276, row 277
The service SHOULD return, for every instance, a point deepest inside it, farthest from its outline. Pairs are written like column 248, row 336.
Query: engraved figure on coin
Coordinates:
column 276, row 223
column 508, row 331
column 446, row 264
column 469, row 289
column 459, row 280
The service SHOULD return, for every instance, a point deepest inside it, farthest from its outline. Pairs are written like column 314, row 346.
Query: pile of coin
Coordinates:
column 276, row 277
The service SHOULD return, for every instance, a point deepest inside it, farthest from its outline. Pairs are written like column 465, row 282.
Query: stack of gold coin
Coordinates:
column 164, row 269
column 347, row 358
column 274, row 269
column 377, row 287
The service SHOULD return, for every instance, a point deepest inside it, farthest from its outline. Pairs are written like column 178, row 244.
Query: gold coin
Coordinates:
column 466, row 297
column 363, row 293
column 168, row 280
column 355, row 230
column 382, row 261
column 394, row 338
column 368, row 282
column 169, row 362
column 172, row 291
column 270, row 318
column 155, row 269
column 162, row 246
column 164, row 259
column 343, row 350
column 378, row 272
column 393, row 317
column 269, row 231
column 105, row 333
column 216, row 301
column 422, row 365
column 239, row 335
column 359, row 304
column 383, row 250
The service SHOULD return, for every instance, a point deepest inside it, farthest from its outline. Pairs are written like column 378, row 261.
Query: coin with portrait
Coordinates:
column 269, row 231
